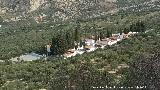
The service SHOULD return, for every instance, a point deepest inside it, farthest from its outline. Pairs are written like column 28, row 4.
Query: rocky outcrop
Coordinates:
column 57, row 9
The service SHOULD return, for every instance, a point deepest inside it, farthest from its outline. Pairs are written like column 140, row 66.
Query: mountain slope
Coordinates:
column 57, row 9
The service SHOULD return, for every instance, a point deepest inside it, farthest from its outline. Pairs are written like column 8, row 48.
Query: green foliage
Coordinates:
column 79, row 77
column 109, row 33
column 1, row 20
column 138, row 27
column 77, row 33
column 35, row 36
column 61, row 42
column 59, row 45
column 144, row 72
column 126, row 31
column 89, row 69
column 69, row 40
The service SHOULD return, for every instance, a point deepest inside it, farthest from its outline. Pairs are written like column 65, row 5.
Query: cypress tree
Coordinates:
column 142, row 27
column 121, row 32
column 76, row 34
column 1, row 20
column 135, row 29
column 132, row 28
column 69, row 40
column 101, row 36
column 138, row 27
column 96, row 38
column 109, row 33
column 95, row 34
column 54, row 46
column 67, row 36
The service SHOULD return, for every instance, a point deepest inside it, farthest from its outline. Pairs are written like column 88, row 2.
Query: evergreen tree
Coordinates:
column 96, row 37
column 135, row 28
column 54, row 46
column 1, row 20
column 142, row 27
column 76, row 33
column 121, row 32
column 95, row 33
column 132, row 28
column 109, row 33
column 126, row 31
column 101, row 36
column 138, row 27
column 69, row 40
column 59, row 45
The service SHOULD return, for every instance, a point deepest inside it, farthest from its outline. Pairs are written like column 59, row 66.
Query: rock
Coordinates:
column 1, row 60
column 112, row 72
column 42, row 89
column 59, row 10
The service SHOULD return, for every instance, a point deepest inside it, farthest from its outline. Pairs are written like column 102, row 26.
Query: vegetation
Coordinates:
column 62, row 42
column 132, row 62
column 138, row 27
column 90, row 69
column 1, row 20
column 22, row 37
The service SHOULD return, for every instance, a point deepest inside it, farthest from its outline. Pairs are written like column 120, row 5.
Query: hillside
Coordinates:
column 59, row 10
column 115, row 66
column 55, row 10
column 29, row 25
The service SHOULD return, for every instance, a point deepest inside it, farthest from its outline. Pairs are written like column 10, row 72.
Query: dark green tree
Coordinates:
column 126, row 31
column 1, row 20
column 132, row 28
column 142, row 27
column 101, row 36
column 59, row 45
column 76, row 33
column 95, row 32
column 121, row 32
column 69, row 40
column 139, row 26
column 109, row 33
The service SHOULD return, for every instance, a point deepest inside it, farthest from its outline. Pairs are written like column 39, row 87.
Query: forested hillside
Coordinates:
column 127, row 65
column 134, row 60
column 20, row 37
